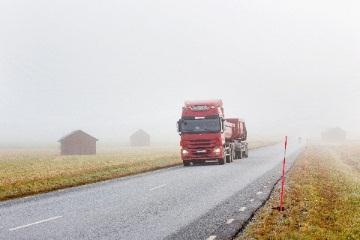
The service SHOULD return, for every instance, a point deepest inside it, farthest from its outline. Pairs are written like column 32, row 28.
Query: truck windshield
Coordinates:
column 200, row 125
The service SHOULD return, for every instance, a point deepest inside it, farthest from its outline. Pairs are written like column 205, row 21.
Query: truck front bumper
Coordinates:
column 202, row 155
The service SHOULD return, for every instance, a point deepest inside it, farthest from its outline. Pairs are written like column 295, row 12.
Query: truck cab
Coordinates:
column 206, row 136
column 203, row 132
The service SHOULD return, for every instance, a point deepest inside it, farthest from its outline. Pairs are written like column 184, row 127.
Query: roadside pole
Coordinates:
column 281, row 208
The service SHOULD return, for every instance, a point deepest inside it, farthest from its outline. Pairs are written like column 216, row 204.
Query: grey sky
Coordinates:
column 110, row 67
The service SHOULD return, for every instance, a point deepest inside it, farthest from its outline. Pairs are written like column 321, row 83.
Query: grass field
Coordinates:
column 322, row 198
column 24, row 172
column 29, row 172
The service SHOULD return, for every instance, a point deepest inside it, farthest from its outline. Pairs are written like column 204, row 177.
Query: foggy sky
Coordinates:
column 111, row 67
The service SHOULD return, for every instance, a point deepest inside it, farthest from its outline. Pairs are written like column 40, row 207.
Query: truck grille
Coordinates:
column 201, row 147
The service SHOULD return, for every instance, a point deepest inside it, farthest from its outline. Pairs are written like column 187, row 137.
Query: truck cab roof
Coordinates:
column 209, row 103
column 203, row 108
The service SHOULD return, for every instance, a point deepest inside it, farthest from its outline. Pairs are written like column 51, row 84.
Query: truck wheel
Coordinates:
column 228, row 158
column 186, row 163
column 246, row 153
column 237, row 154
column 223, row 160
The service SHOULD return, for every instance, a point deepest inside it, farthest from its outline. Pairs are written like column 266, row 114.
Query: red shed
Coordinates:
column 78, row 143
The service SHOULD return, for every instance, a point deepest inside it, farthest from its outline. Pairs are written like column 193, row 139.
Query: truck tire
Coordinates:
column 228, row 157
column 233, row 154
column 246, row 153
column 236, row 154
column 240, row 155
column 186, row 163
column 222, row 161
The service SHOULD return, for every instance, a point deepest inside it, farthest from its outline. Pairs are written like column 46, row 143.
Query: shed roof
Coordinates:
column 336, row 129
column 77, row 132
column 140, row 132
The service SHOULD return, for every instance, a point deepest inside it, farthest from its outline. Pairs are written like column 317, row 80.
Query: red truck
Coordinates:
column 207, row 136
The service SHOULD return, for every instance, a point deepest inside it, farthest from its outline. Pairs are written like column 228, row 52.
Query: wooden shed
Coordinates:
column 78, row 143
column 140, row 139
column 334, row 135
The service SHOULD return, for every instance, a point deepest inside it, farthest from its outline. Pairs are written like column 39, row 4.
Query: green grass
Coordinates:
column 322, row 198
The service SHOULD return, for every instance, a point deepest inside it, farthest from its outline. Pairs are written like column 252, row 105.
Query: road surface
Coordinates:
column 174, row 203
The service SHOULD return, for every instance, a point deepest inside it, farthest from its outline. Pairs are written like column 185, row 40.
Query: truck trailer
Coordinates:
column 207, row 136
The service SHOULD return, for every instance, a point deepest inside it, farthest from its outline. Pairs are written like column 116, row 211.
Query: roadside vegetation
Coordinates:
column 29, row 172
column 24, row 172
column 322, row 198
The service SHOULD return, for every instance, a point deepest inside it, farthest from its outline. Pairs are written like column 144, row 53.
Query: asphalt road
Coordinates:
column 175, row 203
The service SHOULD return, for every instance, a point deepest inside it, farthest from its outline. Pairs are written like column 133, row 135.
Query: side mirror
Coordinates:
column 222, row 125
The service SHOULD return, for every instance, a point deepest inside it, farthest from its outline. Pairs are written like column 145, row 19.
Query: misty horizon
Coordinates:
column 113, row 68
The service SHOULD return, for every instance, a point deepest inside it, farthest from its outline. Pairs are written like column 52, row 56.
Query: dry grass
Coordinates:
column 24, row 172
column 29, row 172
column 322, row 201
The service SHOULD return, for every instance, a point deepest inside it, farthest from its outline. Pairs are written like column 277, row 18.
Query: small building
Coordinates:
column 334, row 135
column 78, row 143
column 140, row 139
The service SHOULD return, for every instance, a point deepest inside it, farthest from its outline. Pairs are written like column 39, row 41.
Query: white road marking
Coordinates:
column 251, row 200
column 157, row 187
column 242, row 209
column 230, row 221
column 258, row 193
column 34, row 223
column 211, row 237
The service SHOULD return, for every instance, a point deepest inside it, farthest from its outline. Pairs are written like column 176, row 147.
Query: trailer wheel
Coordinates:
column 240, row 154
column 246, row 153
column 236, row 154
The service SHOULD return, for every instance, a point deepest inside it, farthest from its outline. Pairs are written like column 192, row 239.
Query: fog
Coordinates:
column 111, row 67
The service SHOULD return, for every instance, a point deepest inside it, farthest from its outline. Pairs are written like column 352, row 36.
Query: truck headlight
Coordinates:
column 184, row 152
column 217, row 150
